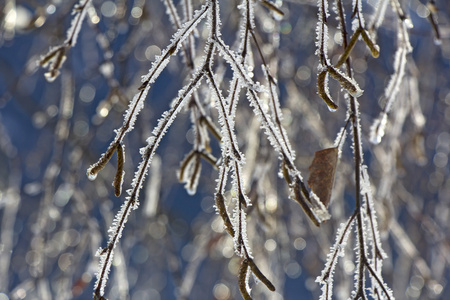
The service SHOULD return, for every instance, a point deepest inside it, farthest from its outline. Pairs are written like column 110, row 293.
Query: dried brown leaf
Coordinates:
column 322, row 172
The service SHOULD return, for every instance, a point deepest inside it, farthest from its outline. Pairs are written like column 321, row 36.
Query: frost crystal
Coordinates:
column 79, row 11
column 359, row 21
column 375, row 241
column 322, row 33
column 378, row 17
column 240, row 239
column 336, row 251
column 107, row 254
column 392, row 89
column 158, row 66
column 264, row 101
column 318, row 208
column 339, row 141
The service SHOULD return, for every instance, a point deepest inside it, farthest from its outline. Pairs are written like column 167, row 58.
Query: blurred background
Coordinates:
column 53, row 219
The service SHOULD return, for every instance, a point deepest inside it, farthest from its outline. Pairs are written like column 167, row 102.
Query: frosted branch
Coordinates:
column 137, row 103
column 55, row 58
column 390, row 93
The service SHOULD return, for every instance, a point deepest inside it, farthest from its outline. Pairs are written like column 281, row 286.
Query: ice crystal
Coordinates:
column 172, row 13
column 336, row 251
column 357, row 22
column 392, row 89
column 240, row 238
column 346, row 82
column 158, row 66
column 274, row 136
column 318, row 208
column 79, row 11
column 107, row 254
column 379, row 14
column 263, row 99
column 227, row 124
column 233, row 96
column 236, row 65
column 369, row 206
column 322, row 33
column 339, row 141
column 396, row 78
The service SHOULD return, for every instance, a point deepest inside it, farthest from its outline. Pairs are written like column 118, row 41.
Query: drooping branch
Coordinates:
column 55, row 58
column 137, row 103
column 364, row 216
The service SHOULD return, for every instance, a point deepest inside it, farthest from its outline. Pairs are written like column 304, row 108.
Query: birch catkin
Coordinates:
column 243, row 279
column 118, row 179
column 374, row 48
column 321, row 90
column 350, row 85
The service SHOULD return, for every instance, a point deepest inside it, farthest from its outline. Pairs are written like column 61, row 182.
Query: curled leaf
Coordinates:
column 322, row 172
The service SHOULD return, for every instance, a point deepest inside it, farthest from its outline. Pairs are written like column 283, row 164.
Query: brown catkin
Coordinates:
column 184, row 164
column 374, row 48
column 195, row 173
column 351, row 87
column 242, row 279
column 350, row 46
column 98, row 166
column 322, row 92
column 260, row 275
column 118, row 179
column 220, row 205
